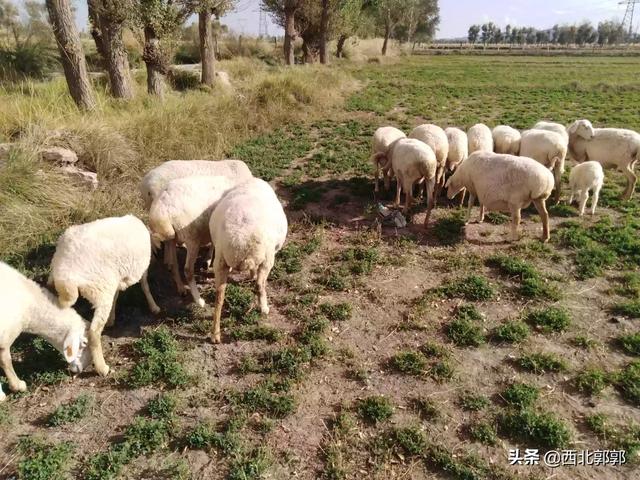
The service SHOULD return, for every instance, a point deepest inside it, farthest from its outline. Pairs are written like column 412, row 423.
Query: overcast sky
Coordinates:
column 456, row 15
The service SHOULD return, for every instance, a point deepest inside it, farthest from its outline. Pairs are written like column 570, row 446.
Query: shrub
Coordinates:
column 71, row 412
column 375, row 409
column 540, row 363
column 551, row 319
column 410, row 362
column 511, row 332
column 521, row 395
column 591, row 381
column 536, row 429
column 631, row 343
column 43, row 461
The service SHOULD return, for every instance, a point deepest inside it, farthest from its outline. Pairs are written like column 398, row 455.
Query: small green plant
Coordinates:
column 472, row 288
column 497, row 218
column 617, row 437
column 539, row 429
column 465, row 331
column 44, row 461
column 250, row 464
column 629, row 309
column 267, row 397
column 592, row 260
column 629, row 285
column 162, row 407
column 513, row 267
column 484, row 433
column 205, row 436
column 337, row 312
column 521, row 395
column 630, row 343
column 434, row 350
column 411, row 441
column 583, row 342
column 450, row 230
column 627, row 381
column 335, row 280
column 248, row 333
column 409, row 362
column 441, row 371
column 71, row 412
column 550, row 319
column 375, row 409
column 158, row 360
column 145, row 436
column 426, row 408
column 591, row 381
column 511, row 332
column 473, row 402
column 540, row 363
column 361, row 260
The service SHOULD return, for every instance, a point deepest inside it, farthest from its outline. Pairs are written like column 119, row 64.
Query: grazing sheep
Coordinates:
column 553, row 127
column 611, row 147
column 584, row 177
column 413, row 161
column 98, row 260
column 30, row 308
column 504, row 183
column 548, row 148
column 506, row 139
column 458, row 147
column 157, row 179
column 180, row 215
column 248, row 227
column 480, row 138
column 435, row 138
column 382, row 138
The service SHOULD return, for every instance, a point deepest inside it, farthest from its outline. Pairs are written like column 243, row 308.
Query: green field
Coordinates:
column 387, row 353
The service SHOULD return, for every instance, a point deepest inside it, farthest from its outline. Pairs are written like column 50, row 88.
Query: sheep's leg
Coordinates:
column 594, row 200
column 221, row 271
column 189, row 267
column 631, row 181
column 261, row 280
column 430, row 201
column 15, row 384
column 388, row 175
column 472, row 200
column 144, row 282
column 95, row 342
column 584, row 196
column 2, row 395
column 571, row 197
column 398, row 192
column 167, row 254
column 515, row 223
column 482, row 212
column 541, row 207
column 464, row 194
column 557, row 177
column 377, row 175
column 408, row 198
column 209, row 257
column 112, row 316
column 174, row 267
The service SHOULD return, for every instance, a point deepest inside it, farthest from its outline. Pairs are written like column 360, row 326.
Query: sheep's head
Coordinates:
column 582, row 128
column 74, row 347
column 454, row 186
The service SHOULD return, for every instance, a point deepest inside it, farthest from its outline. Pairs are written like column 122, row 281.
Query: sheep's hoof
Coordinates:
column 103, row 371
column 22, row 387
column 201, row 303
column 265, row 310
column 546, row 239
column 215, row 338
column 2, row 397
column 155, row 310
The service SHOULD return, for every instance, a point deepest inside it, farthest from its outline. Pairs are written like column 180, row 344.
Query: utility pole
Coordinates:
column 628, row 15
column 263, row 26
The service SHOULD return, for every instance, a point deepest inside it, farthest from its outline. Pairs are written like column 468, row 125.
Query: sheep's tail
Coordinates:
column 377, row 158
column 254, row 254
column 67, row 294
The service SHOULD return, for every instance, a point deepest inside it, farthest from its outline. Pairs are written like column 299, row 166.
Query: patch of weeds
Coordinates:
column 497, row 218
column 44, row 461
column 441, row 371
column 617, row 437
column 550, row 319
column 472, row 288
column 239, row 301
column 255, row 332
column 473, row 402
column 629, row 285
column 627, row 382
column 630, row 343
column 592, row 260
column 629, row 309
column 434, row 350
column 460, row 467
column 521, row 395
column 158, row 360
column 591, row 381
column 409, row 362
column 375, row 409
column 583, row 342
column 536, row 287
column 335, row 280
column 464, row 330
column 145, row 436
column 361, row 260
column 484, row 433
column 532, row 285
column 337, row 312
column 511, row 332
column 5, row 416
column 540, row 430
column 71, row 412
column 540, row 363
column 562, row 210
column 449, row 230
column 426, row 408
column 38, row 362
column 288, row 260
column 410, row 441
column 162, row 407
column 268, row 397
column 251, row 464
column 205, row 436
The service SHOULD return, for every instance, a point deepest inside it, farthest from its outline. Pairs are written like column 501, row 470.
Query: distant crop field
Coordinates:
column 388, row 353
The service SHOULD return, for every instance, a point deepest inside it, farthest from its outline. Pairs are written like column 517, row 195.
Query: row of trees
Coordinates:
column 606, row 33
column 317, row 22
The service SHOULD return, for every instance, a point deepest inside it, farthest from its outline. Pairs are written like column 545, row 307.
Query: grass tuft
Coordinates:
column 550, row 319
column 591, row 381
column 409, row 362
column 44, row 461
column 540, row 363
column 630, row 343
column 464, row 330
column 71, row 412
column 484, row 433
column 521, row 395
column 511, row 332
column 472, row 288
column 375, row 409
column 159, row 360
column 627, row 381
column 541, row 430
column 473, row 402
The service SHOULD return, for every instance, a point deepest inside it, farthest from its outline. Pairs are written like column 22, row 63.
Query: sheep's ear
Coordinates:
column 573, row 127
column 71, row 347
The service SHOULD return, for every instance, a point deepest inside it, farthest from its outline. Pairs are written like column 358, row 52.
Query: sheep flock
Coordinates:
column 220, row 204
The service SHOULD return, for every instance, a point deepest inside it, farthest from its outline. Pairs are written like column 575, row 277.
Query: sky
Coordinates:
column 456, row 15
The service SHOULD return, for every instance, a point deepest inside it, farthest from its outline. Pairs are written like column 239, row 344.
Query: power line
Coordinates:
column 627, row 21
column 263, row 25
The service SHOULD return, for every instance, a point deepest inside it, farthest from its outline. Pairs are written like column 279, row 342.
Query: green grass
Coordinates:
column 484, row 433
column 629, row 285
column 37, row 362
column 268, row 397
column 466, row 330
column 536, row 430
column 449, row 230
column 629, row 309
column 617, row 437
column 532, row 283
column 375, row 409
column 426, row 408
column 360, row 260
column 409, row 362
column 41, row 460
column 250, row 464
column 627, row 381
column 591, row 381
column 472, row 288
column 227, row 441
column 584, row 342
column 541, row 363
column 511, row 332
column 549, row 319
column 255, row 332
column 521, row 395
column 72, row 411
column 409, row 441
column 337, row 312
column 630, row 343
column 473, row 402
column 162, row 407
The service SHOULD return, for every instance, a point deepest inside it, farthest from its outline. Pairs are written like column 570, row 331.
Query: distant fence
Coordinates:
column 631, row 50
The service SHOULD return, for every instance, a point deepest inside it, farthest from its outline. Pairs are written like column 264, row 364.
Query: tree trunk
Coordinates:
column 289, row 36
column 117, row 60
column 324, row 25
column 96, row 30
column 340, row 45
column 387, row 34
column 207, row 48
column 154, row 61
column 71, row 53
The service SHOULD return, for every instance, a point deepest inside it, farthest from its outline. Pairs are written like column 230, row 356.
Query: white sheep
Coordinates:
column 506, row 139
column 550, row 149
column 435, row 138
column 504, row 183
column 584, row 177
column 98, row 260
column 248, row 227
column 611, row 147
column 180, row 214
column 29, row 308
column 480, row 138
column 553, row 127
column 382, row 138
column 156, row 180
column 458, row 147
column 413, row 161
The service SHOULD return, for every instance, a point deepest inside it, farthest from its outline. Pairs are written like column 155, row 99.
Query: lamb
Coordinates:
column 413, row 161
column 458, row 147
column 611, row 147
column 480, row 138
column 382, row 138
column 548, row 148
column 248, row 227
column 435, row 138
column 505, row 183
column 506, row 139
column 180, row 214
column 584, row 177
column 32, row 309
column 157, row 179
column 98, row 260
